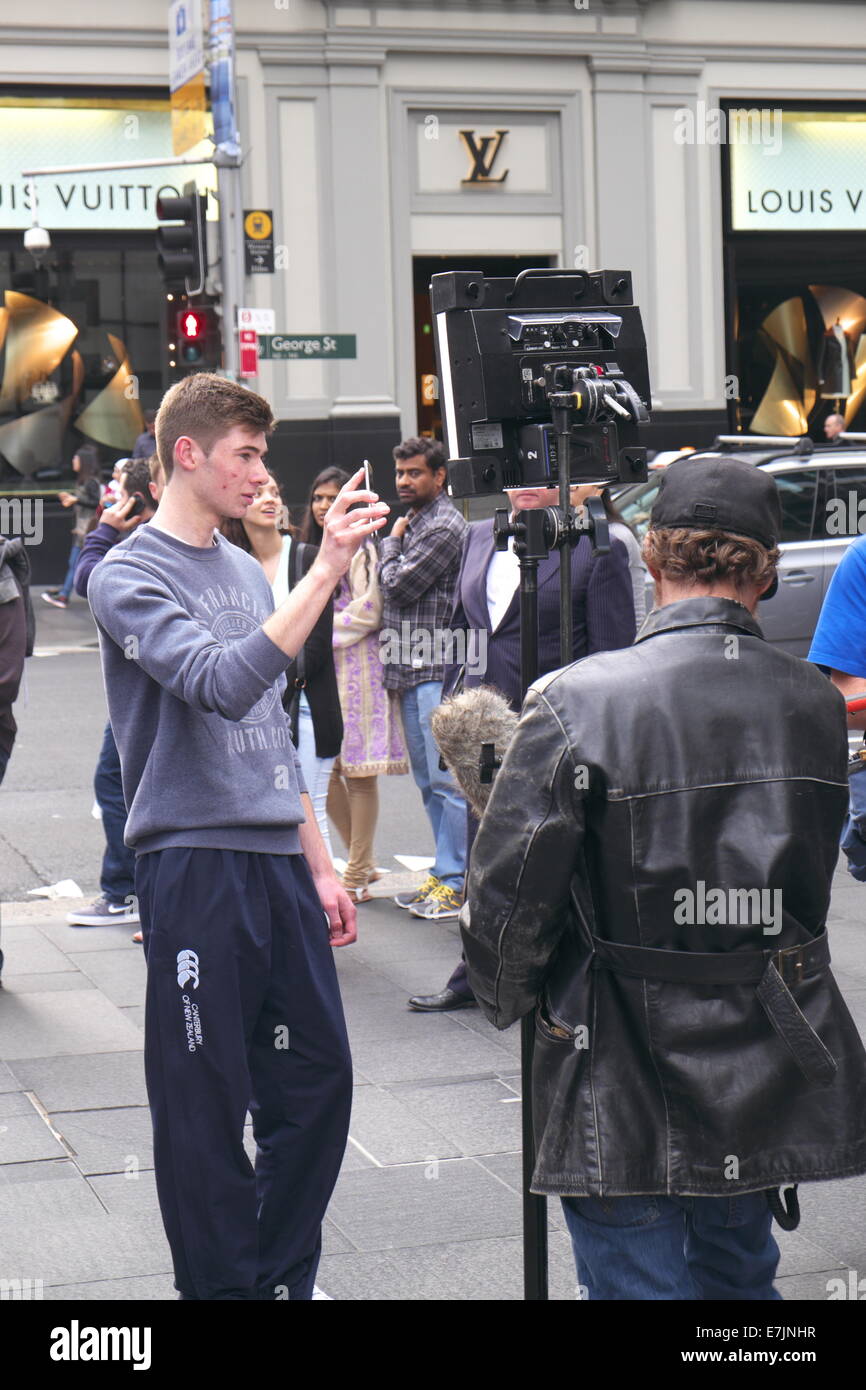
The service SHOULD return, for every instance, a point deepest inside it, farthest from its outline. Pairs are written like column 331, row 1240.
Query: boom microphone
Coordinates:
column 464, row 722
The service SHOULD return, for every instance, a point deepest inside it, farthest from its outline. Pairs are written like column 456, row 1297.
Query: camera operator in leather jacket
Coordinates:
column 652, row 877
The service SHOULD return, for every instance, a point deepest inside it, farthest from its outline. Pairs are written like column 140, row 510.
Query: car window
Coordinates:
column 635, row 504
column 845, row 510
column 797, row 494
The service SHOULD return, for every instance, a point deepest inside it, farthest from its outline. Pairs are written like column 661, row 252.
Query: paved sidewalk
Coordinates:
column 427, row 1205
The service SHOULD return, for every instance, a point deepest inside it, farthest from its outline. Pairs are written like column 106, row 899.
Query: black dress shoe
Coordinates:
column 439, row 1003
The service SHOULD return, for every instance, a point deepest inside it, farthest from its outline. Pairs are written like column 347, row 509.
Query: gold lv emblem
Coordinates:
column 482, row 154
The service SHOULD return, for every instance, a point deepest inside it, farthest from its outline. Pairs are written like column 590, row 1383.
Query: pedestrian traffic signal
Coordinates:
column 196, row 343
column 182, row 245
column 192, row 328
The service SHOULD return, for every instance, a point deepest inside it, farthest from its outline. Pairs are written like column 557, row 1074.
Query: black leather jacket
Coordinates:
column 676, row 1050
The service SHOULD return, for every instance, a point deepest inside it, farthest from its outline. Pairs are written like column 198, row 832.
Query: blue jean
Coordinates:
column 316, row 771
column 117, row 880
column 66, row 589
column 674, row 1247
column 445, row 807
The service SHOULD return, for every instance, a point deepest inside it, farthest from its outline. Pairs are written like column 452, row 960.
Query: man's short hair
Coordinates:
column 206, row 407
column 688, row 556
column 136, row 478
column 430, row 450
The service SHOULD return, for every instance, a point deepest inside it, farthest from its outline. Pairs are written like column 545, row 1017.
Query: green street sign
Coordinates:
column 297, row 347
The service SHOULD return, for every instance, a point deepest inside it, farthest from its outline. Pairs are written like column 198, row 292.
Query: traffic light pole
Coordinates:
column 231, row 252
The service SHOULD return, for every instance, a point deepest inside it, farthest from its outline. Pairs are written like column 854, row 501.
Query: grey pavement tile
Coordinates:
column 121, row 975
column 15, row 1103
column 108, row 1141
column 393, row 1132
column 127, row 1196
column 59, row 1232
column 804, row 1250
column 508, row 1168
column 816, row 1286
column 135, row 1014
column 87, row 1082
column 43, row 984
column 449, row 1054
column 76, row 940
column 27, row 1138
column 359, row 1277
column 474, row 1270
column 407, row 940
column 424, row 975
column 481, row 1270
column 856, row 1001
column 833, row 1217
column 474, row 1020
column 28, row 952
column 354, row 1158
column 53, row 1170
column 8, row 1082
column 149, row 1289
column 392, row 1019
column 421, row 1204
column 334, row 1242
column 77, row 1021
column 480, row 1117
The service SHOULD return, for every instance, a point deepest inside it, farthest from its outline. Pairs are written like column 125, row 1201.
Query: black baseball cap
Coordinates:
column 719, row 494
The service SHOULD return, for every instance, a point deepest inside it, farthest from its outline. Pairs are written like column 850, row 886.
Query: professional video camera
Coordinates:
column 524, row 365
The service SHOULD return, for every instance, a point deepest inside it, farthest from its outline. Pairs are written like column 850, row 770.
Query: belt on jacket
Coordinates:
column 771, row 971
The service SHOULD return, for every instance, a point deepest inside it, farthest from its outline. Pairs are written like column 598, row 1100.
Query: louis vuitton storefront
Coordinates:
column 795, row 222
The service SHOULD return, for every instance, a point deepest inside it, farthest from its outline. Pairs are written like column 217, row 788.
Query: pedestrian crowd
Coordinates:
column 260, row 677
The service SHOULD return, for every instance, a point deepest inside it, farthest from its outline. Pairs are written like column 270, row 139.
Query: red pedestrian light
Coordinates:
column 193, row 330
column 191, row 324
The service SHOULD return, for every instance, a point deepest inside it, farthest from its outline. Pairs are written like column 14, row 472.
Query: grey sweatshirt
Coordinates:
column 194, row 693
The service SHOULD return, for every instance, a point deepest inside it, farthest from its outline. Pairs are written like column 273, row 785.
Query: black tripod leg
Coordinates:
column 534, row 1208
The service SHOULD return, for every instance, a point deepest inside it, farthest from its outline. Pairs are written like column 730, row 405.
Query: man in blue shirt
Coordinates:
column 839, row 645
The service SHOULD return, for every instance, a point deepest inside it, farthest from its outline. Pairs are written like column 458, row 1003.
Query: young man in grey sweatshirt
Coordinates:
column 232, row 877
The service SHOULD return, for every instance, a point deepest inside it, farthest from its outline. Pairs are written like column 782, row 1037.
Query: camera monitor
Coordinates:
column 507, row 350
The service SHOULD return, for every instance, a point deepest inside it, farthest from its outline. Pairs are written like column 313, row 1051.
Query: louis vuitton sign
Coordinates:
column 493, row 154
column 483, row 152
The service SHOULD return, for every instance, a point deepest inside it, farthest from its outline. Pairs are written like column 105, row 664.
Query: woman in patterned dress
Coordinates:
column 373, row 734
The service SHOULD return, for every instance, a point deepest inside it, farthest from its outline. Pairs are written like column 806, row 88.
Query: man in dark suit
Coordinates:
column 487, row 601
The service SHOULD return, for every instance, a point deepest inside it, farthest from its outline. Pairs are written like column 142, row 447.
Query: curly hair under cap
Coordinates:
column 687, row 556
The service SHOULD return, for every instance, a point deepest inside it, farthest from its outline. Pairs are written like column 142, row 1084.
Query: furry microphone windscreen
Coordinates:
column 460, row 725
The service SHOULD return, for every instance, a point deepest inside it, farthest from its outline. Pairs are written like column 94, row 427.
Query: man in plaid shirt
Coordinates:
column 418, row 567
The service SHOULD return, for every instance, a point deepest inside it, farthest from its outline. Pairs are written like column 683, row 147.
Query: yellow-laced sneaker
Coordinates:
column 418, row 895
column 441, row 903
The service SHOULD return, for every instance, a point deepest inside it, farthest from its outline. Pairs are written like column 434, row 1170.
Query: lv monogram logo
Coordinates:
column 482, row 154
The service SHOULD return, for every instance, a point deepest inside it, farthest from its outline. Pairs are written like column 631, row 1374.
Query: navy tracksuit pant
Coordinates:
column 243, row 1012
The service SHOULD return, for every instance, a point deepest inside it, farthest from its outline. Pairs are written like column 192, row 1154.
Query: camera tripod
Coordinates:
column 535, row 534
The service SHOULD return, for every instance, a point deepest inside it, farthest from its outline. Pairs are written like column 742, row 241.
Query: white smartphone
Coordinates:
column 367, row 475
